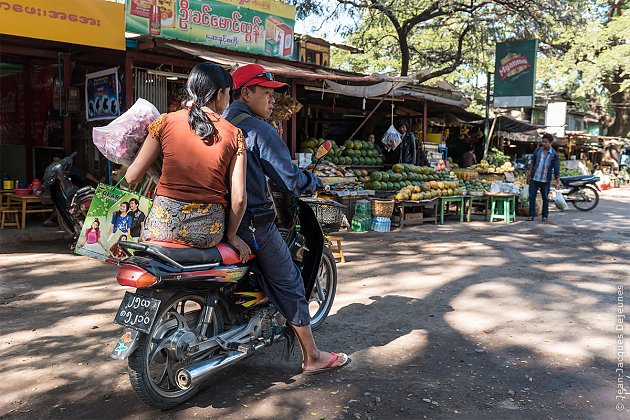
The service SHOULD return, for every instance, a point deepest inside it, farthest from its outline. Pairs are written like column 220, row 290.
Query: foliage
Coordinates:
column 584, row 44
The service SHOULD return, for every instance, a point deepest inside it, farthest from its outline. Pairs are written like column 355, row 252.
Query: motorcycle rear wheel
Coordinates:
column 323, row 294
column 153, row 366
column 585, row 193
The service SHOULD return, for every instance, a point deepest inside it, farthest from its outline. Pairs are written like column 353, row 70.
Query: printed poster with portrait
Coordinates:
column 115, row 215
column 102, row 96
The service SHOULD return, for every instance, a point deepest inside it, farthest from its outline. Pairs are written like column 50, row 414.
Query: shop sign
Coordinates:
column 97, row 23
column 102, row 101
column 255, row 26
column 515, row 74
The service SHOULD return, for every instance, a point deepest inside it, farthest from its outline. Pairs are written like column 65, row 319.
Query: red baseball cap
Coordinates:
column 255, row 75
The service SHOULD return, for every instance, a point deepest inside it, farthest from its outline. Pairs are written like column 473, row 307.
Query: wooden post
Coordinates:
column 293, row 122
column 425, row 126
column 28, row 121
column 67, row 123
column 129, row 85
column 485, row 150
column 366, row 118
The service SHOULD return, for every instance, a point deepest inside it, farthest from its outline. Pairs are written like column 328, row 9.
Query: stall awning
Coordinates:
column 509, row 124
column 370, row 91
column 462, row 103
column 285, row 69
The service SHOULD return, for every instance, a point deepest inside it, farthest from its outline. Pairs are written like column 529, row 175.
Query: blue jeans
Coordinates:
column 283, row 283
column 544, row 187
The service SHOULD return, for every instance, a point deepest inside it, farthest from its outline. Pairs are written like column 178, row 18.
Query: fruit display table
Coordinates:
column 470, row 200
column 415, row 212
column 458, row 200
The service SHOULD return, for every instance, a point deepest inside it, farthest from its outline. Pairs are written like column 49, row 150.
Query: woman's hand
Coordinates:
column 241, row 247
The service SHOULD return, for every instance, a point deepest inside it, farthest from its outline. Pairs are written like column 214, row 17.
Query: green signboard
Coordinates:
column 254, row 26
column 515, row 74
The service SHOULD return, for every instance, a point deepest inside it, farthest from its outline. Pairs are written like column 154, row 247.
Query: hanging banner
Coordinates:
column 515, row 74
column 255, row 26
column 101, row 95
column 97, row 23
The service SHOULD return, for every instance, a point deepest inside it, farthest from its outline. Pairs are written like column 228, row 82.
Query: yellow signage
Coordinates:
column 97, row 23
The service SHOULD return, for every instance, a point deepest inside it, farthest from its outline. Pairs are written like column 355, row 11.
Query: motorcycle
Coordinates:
column 581, row 191
column 196, row 311
column 71, row 202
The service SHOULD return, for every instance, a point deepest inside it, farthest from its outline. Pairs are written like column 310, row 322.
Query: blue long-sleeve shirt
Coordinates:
column 268, row 156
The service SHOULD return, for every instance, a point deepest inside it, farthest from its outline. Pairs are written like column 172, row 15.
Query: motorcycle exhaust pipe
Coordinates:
column 194, row 374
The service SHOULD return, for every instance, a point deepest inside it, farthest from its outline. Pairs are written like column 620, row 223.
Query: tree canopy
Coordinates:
column 584, row 44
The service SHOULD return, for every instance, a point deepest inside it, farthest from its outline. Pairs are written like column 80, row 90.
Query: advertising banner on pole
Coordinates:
column 259, row 26
column 515, row 74
column 102, row 100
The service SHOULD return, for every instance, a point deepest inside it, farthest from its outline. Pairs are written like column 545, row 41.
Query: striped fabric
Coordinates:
column 543, row 165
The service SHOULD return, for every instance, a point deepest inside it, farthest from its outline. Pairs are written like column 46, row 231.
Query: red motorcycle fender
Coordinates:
column 127, row 344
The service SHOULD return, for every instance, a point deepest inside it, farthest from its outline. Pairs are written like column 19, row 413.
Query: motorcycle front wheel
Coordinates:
column 154, row 364
column 323, row 294
column 585, row 198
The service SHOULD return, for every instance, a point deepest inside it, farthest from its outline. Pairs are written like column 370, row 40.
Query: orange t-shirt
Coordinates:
column 193, row 169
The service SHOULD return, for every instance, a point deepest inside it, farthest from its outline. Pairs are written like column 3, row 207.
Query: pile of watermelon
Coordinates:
column 405, row 175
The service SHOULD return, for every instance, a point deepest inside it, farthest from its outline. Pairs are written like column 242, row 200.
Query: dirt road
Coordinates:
column 454, row 321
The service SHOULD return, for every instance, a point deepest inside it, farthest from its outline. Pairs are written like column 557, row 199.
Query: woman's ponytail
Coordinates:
column 204, row 82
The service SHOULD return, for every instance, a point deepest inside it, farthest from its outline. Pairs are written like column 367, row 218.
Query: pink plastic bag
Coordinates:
column 120, row 140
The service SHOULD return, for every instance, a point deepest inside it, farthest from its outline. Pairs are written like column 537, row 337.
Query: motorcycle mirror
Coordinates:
column 323, row 149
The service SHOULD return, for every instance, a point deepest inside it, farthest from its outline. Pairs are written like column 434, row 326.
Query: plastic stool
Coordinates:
column 503, row 208
column 338, row 251
column 13, row 214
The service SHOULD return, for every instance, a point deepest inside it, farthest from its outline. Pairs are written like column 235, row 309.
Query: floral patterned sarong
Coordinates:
column 199, row 225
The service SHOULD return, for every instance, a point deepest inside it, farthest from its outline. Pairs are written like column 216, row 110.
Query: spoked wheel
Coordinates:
column 586, row 198
column 154, row 364
column 324, row 290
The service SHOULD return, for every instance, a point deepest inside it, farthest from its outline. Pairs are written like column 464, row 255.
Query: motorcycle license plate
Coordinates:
column 137, row 312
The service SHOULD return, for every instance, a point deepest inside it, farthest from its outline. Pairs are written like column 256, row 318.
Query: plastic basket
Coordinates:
column 329, row 214
column 383, row 208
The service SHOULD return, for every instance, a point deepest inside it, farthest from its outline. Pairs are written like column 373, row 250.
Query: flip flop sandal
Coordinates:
column 329, row 367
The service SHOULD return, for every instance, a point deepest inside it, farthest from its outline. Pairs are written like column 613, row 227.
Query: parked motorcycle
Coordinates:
column 196, row 311
column 581, row 191
column 71, row 202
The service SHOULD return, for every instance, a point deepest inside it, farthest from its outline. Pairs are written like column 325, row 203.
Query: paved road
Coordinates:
column 461, row 320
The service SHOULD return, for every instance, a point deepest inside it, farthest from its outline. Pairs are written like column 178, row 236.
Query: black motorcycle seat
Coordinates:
column 186, row 255
column 578, row 178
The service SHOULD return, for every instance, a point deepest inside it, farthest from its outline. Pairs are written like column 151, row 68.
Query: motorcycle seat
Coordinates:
column 579, row 178
column 185, row 255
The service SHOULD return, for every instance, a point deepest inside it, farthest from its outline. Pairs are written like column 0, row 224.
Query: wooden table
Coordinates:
column 24, row 201
column 459, row 200
column 470, row 199
column 409, row 218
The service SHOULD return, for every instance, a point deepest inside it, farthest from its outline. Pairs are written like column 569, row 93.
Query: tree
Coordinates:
column 583, row 43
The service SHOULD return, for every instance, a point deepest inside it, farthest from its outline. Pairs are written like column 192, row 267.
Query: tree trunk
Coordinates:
column 620, row 101
column 404, row 52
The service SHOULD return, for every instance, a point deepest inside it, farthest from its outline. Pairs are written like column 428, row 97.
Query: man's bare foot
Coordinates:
column 326, row 362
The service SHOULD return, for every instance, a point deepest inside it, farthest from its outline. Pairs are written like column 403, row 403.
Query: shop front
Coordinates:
column 46, row 51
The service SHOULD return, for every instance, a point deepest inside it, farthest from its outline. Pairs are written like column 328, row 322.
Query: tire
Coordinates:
column 319, row 304
column 164, row 394
column 590, row 194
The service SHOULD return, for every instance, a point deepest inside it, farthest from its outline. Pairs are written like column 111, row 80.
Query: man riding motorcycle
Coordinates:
column 268, row 157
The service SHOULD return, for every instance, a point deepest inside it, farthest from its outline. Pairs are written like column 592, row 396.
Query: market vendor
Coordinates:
column 372, row 139
column 405, row 152
column 469, row 157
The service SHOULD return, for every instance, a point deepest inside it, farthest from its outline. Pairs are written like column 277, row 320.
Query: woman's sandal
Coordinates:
column 329, row 366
